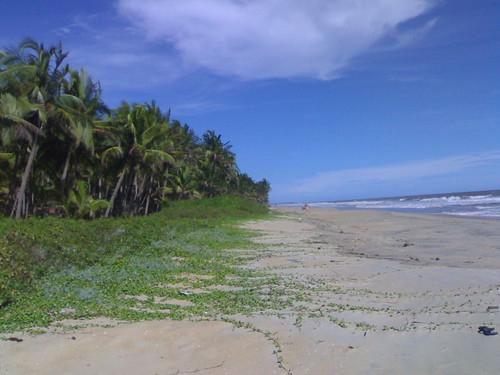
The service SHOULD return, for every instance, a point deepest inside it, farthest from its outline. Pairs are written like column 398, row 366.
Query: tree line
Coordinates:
column 64, row 152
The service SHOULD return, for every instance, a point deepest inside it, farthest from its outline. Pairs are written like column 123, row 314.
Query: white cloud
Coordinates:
column 116, row 54
column 414, row 171
column 258, row 39
column 62, row 31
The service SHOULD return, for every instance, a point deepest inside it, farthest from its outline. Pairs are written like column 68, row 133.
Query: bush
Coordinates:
column 16, row 266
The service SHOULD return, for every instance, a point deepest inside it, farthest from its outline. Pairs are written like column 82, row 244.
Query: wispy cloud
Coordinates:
column 117, row 54
column 407, row 38
column 275, row 38
column 408, row 172
column 62, row 31
column 196, row 107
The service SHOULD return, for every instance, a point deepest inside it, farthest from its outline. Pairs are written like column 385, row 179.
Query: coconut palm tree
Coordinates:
column 60, row 145
column 184, row 183
column 218, row 164
column 82, row 204
column 22, row 121
column 79, row 107
column 36, row 74
column 142, row 147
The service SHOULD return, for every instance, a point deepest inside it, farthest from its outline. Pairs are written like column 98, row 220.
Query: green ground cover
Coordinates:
column 181, row 262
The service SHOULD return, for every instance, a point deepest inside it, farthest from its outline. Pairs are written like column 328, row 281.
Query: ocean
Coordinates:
column 485, row 204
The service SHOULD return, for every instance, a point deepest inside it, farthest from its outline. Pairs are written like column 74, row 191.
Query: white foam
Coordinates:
column 480, row 213
column 466, row 205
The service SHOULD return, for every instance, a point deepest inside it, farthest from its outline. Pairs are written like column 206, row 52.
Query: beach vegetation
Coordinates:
column 177, row 263
column 126, row 212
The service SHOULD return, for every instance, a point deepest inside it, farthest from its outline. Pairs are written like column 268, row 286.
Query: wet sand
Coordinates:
column 382, row 293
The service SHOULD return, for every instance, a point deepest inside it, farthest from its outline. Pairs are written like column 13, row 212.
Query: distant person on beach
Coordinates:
column 305, row 207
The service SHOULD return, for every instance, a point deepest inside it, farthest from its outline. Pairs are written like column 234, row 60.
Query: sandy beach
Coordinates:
column 380, row 293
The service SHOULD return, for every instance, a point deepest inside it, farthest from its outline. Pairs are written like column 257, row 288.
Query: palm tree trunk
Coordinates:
column 13, row 179
column 21, row 194
column 12, row 212
column 66, row 165
column 147, row 205
column 115, row 193
column 150, row 191
column 164, row 185
column 136, row 187
column 26, row 208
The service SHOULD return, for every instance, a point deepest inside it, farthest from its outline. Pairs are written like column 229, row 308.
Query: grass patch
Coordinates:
column 53, row 269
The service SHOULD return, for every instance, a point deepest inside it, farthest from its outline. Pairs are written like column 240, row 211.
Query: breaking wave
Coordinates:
column 484, row 204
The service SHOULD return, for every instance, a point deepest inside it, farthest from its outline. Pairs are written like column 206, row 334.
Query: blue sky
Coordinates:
column 328, row 99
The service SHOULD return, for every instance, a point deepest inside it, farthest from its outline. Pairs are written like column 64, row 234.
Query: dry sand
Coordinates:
column 161, row 347
column 385, row 293
column 397, row 293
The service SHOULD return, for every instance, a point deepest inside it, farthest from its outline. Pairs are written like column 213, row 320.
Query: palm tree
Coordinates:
column 36, row 74
column 13, row 114
column 7, row 163
column 59, row 145
column 82, row 204
column 184, row 183
column 218, row 164
column 79, row 107
column 142, row 146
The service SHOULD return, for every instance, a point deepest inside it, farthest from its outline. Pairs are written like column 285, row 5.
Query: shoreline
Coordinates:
column 395, row 211
column 439, row 214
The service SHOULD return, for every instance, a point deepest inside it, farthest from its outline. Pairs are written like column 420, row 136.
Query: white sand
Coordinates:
column 148, row 348
column 423, row 312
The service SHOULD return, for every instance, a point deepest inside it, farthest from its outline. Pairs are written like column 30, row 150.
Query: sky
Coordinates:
column 327, row 99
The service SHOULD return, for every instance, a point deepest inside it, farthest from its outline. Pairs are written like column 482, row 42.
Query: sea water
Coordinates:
column 474, row 204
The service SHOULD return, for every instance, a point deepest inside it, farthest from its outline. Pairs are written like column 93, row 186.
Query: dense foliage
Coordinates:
column 64, row 152
column 53, row 263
